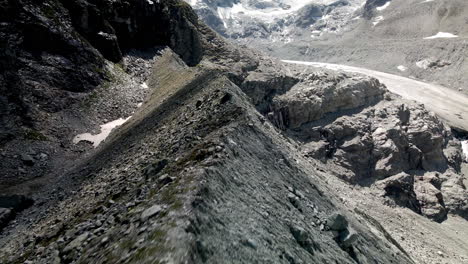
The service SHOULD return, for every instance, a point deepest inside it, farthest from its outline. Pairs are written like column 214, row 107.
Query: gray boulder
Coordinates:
column 400, row 188
column 337, row 222
column 5, row 216
column 430, row 197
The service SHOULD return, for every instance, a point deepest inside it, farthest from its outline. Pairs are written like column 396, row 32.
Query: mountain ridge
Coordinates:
column 228, row 156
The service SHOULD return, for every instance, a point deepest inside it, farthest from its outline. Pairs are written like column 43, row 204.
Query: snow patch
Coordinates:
column 465, row 149
column 106, row 129
column 402, row 68
column 442, row 35
column 377, row 20
column 423, row 64
column 380, row 8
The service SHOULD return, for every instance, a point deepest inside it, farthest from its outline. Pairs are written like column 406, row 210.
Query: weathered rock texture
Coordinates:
column 53, row 48
column 318, row 95
column 224, row 188
column 53, row 57
column 199, row 173
column 367, row 135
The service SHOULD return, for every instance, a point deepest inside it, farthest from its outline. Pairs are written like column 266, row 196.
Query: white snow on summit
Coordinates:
column 267, row 14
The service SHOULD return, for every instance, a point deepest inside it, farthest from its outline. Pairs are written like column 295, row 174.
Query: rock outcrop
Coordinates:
column 387, row 139
column 369, row 137
column 317, row 95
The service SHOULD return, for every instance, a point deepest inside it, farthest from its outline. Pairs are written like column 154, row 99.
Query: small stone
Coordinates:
column 105, row 240
column 250, row 243
column 348, row 238
column 27, row 159
column 150, row 212
column 40, row 250
column 5, row 216
column 76, row 243
column 337, row 222
column 165, row 179
column 42, row 156
column 299, row 234
column 299, row 194
column 286, row 255
column 142, row 229
column 155, row 168
column 293, row 200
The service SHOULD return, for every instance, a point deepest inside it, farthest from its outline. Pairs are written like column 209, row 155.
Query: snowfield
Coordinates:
column 377, row 20
column 465, row 149
column 402, row 68
column 380, row 8
column 106, row 129
column 442, row 35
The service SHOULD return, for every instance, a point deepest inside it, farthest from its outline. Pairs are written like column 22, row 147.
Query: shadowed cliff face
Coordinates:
column 51, row 47
column 60, row 62
column 113, row 27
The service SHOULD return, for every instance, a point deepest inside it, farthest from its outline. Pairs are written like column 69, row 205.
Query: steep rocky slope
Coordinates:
column 232, row 157
column 57, row 49
column 182, row 195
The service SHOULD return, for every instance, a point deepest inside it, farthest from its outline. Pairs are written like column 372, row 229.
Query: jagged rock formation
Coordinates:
column 366, row 136
column 318, row 95
column 210, row 169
